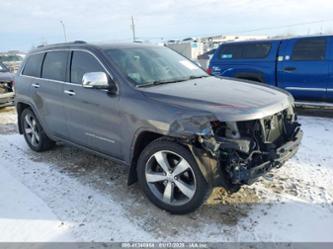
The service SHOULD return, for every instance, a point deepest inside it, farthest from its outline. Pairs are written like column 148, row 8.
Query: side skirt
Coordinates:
column 91, row 151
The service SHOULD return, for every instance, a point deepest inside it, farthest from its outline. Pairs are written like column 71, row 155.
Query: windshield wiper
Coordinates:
column 160, row 82
column 192, row 77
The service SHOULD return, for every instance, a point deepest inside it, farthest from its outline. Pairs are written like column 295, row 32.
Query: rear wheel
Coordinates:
column 33, row 132
column 170, row 177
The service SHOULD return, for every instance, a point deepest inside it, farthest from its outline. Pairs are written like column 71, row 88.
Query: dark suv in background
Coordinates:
column 180, row 131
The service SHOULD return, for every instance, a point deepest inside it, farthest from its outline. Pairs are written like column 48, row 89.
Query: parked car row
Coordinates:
column 6, row 86
column 303, row 66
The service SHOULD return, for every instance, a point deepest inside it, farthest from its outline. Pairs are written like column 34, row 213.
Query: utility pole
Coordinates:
column 64, row 30
column 133, row 29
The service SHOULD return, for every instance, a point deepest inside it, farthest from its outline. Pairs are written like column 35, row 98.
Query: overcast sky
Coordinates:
column 27, row 23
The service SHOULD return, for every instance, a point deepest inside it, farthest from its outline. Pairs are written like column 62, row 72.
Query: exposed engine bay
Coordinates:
column 6, row 86
column 6, row 93
column 246, row 150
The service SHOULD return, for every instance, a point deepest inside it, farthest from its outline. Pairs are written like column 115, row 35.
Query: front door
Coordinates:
column 303, row 68
column 92, row 114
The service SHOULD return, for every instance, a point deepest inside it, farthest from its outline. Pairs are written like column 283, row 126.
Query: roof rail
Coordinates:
column 61, row 44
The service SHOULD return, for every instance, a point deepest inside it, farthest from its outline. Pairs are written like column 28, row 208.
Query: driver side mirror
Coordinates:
column 96, row 80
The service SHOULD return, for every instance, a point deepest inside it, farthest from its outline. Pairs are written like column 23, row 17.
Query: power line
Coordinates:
column 285, row 26
column 251, row 30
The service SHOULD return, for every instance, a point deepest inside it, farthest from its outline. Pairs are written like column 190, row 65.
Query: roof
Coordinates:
column 277, row 39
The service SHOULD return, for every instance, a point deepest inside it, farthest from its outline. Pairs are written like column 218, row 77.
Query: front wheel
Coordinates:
column 171, row 178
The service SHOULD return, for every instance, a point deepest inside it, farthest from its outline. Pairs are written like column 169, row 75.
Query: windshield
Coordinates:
column 147, row 66
column 3, row 68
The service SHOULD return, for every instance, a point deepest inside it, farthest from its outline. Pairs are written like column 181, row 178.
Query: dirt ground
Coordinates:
column 87, row 192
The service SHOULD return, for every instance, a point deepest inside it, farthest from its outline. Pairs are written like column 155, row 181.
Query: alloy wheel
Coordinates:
column 170, row 178
column 31, row 130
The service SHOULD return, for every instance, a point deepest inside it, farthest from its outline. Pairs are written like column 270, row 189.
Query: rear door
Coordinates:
column 303, row 67
column 49, row 93
column 29, row 82
column 45, row 72
column 92, row 114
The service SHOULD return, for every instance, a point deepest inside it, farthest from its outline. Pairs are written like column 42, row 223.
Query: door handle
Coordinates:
column 69, row 92
column 289, row 69
column 35, row 85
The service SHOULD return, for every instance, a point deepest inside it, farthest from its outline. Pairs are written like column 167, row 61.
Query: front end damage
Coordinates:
column 6, row 93
column 231, row 154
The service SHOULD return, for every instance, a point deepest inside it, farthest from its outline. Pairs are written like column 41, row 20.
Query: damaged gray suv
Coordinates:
column 180, row 131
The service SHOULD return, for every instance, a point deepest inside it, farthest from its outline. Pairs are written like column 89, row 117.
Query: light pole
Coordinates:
column 133, row 29
column 64, row 30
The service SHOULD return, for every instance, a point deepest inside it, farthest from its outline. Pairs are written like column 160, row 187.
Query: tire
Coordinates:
column 181, row 190
column 32, row 128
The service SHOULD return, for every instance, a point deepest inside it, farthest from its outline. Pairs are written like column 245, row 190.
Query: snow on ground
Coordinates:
column 24, row 216
column 66, row 194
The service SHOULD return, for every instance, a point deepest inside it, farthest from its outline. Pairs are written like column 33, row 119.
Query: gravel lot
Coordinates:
column 89, row 200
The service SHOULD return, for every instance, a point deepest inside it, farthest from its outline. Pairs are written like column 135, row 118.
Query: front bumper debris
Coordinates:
column 243, row 175
column 242, row 151
column 6, row 99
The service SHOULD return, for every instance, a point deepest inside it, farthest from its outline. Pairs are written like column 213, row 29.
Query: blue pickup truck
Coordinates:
column 303, row 65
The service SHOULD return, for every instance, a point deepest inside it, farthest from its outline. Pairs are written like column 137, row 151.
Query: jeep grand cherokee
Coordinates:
column 180, row 131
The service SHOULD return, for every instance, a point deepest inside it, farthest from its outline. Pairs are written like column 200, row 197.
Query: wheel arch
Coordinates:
column 144, row 138
column 207, row 165
column 20, row 106
column 252, row 76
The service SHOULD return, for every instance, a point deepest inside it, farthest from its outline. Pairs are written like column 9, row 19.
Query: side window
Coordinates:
column 33, row 65
column 54, row 66
column 310, row 49
column 83, row 62
column 245, row 50
column 256, row 50
column 230, row 51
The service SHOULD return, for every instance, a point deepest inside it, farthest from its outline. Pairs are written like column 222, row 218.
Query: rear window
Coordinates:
column 311, row 49
column 54, row 67
column 231, row 52
column 33, row 65
column 245, row 51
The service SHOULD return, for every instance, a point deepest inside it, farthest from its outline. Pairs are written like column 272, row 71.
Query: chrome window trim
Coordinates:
column 53, row 81
column 307, row 89
column 70, row 50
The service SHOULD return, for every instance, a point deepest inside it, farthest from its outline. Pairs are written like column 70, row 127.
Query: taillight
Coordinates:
column 209, row 70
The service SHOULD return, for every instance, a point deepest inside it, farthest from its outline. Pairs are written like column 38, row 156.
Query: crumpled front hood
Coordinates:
column 228, row 100
column 6, row 76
